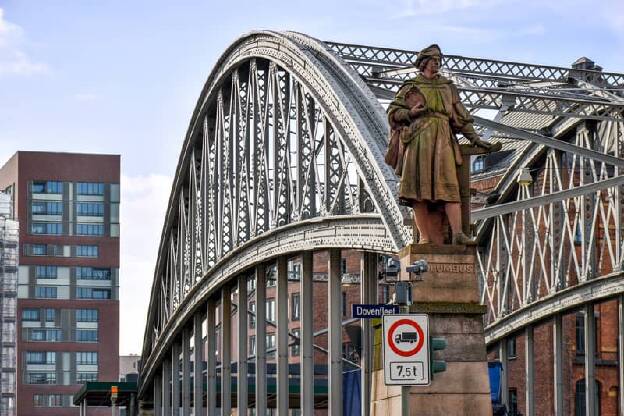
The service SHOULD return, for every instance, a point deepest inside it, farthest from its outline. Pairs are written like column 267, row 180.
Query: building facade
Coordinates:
column 68, row 278
column 8, row 297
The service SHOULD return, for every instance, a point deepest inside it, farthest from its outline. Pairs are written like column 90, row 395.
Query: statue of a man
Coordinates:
column 426, row 114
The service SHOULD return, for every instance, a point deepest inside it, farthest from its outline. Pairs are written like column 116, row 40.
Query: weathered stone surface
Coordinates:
column 460, row 378
column 463, row 348
column 449, row 294
column 449, row 405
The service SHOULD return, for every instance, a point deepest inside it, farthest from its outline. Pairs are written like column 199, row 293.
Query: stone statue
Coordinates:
column 424, row 118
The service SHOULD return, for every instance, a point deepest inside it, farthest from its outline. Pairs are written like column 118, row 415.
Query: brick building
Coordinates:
column 67, row 308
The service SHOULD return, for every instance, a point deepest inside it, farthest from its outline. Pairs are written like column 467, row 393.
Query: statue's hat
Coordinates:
column 429, row 52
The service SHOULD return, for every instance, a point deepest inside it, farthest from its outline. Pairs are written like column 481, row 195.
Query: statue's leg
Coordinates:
column 422, row 218
column 453, row 212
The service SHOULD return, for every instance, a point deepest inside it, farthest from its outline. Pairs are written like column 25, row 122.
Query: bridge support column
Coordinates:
column 590, row 360
column 282, row 336
column 166, row 387
column 242, row 389
column 157, row 395
column 502, row 355
column 621, row 351
column 307, row 336
column 261, row 369
column 226, row 355
column 186, row 371
column 558, row 364
column 211, row 359
column 198, row 376
column 175, row 378
column 368, row 295
column 334, row 325
column 529, row 371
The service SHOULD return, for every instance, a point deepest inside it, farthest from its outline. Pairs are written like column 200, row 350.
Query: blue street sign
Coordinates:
column 363, row 311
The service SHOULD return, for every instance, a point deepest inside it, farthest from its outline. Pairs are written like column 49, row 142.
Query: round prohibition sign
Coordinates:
column 419, row 344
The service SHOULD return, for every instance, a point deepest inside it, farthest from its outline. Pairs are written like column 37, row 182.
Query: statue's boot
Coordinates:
column 463, row 240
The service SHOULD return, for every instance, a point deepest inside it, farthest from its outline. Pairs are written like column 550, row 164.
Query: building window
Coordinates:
column 86, row 335
column 52, row 228
column 251, row 284
column 40, row 357
column 46, row 208
column 579, row 399
column 47, row 187
column 344, row 304
column 84, row 377
column 39, row 249
column 86, row 315
column 89, row 188
column 30, row 315
column 513, row 402
column 45, row 334
column 295, row 341
column 294, row 271
column 41, row 378
column 295, row 306
column 90, row 209
column 87, row 358
column 271, row 280
column 270, row 341
column 52, row 400
column 45, row 292
column 45, row 272
column 252, row 345
column 87, row 251
column 50, row 315
column 89, row 229
column 511, row 348
column 343, row 265
column 252, row 316
column 92, row 273
column 270, row 310
column 478, row 165
column 92, row 293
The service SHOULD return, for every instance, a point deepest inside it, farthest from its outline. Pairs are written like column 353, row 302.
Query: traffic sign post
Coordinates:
column 406, row 350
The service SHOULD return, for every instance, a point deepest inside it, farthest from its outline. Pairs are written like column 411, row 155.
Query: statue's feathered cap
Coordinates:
column 429, row 52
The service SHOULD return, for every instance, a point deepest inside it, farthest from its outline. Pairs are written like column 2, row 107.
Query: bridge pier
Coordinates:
column 449, row 294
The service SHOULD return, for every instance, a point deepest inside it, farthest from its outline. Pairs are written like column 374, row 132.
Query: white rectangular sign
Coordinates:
column 406, row 349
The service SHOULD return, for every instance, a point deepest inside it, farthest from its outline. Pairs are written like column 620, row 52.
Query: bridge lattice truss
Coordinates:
column 284, row 153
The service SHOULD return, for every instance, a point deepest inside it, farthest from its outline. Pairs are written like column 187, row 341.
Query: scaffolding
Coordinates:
column 8, row 306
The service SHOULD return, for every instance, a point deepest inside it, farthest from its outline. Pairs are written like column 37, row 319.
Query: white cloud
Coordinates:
column 13, row 60
column 143, row 204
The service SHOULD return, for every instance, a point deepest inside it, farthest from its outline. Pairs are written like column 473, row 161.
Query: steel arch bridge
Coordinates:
column 283, row 158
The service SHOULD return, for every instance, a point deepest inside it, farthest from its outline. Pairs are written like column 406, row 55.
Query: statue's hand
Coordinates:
column 481, row 143
column 416, row 110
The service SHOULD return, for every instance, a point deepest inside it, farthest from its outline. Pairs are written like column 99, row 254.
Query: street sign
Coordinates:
column 406, row 349
column 364, row 311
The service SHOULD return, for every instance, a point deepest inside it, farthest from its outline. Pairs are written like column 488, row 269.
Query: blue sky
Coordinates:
column 120, row 76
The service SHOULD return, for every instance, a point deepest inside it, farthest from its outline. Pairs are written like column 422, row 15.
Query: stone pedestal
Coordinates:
column 449, row 294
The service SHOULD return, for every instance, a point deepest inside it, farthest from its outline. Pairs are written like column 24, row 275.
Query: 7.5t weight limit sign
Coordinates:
column 406, row 349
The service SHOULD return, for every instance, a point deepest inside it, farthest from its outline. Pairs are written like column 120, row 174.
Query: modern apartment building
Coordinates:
column 67, row 316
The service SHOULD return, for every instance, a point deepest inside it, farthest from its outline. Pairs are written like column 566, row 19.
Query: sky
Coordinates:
column 123, row 77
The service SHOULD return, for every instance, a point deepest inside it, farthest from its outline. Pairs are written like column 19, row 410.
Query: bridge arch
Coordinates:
column 283, row 154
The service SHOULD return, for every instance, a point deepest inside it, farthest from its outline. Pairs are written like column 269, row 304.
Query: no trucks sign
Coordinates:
column 406, row 350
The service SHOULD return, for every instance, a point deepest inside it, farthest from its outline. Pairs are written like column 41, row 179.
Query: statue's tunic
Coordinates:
column 431, row 152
